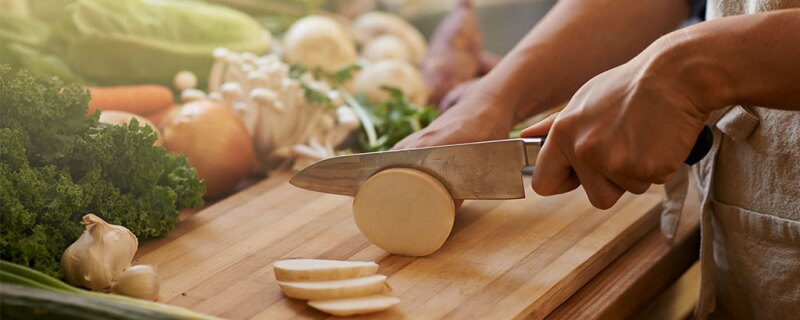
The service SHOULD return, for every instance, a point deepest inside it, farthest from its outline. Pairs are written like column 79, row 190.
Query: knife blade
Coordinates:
column 479, row 170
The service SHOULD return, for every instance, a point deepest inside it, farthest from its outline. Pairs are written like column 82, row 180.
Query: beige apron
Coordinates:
column 750, row 224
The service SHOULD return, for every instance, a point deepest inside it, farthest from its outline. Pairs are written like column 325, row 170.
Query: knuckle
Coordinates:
column 584, row 151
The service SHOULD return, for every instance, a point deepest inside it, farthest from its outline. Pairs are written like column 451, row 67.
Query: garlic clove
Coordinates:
column 100, row 254
column 139, row 281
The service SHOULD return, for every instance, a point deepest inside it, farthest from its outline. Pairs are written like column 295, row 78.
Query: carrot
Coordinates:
column 139, row 99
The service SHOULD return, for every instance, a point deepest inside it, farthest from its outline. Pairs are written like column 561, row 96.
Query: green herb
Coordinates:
column 343, row 75
column 385, row 124
column 314, row 96
column 336, row 79
column 57, row 164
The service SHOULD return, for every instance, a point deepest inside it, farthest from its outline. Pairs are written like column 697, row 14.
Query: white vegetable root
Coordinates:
column 386, row 47
column 336, row 289
column 319, row 41
column 393, row 73
column 370, row 25
column 404, row 211
column 354, row 306
column 321, row 270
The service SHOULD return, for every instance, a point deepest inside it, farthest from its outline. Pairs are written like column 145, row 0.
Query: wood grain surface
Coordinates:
column 503, row 260
column 629, row 285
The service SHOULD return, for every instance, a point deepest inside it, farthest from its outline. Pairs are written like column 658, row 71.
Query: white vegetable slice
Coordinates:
column 354, row 306
column 336, row 289
column 404, row 211
column 321, row 270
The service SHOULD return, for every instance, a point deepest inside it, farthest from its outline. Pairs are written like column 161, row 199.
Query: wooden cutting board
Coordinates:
column 504, row 259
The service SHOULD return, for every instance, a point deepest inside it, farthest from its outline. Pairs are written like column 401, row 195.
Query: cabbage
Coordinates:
column 147, row 41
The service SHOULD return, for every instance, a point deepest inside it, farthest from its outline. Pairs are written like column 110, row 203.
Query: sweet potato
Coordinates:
column 455, row 51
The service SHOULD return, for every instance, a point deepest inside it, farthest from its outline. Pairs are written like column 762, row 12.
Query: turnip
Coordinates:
column 386, row 47
column 393, row 73
column 404, row 211
column 373, row 24
column 319, row 42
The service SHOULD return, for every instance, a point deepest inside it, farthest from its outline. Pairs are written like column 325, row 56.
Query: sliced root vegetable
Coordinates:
column 354, row 306
column 322, row 270
column 336, row 289
column 404, row 211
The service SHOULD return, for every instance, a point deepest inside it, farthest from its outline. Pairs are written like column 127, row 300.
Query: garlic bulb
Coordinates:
column 138, row 282
column 99, row 256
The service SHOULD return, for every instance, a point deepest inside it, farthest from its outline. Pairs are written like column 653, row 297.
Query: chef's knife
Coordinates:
column 480, row 170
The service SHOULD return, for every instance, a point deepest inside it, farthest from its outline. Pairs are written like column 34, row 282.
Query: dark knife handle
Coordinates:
column 701, row 147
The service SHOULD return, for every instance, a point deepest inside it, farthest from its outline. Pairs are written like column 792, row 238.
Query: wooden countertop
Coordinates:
column 504, row 259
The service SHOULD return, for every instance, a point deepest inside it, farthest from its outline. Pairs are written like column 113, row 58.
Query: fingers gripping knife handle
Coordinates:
column 701, row 147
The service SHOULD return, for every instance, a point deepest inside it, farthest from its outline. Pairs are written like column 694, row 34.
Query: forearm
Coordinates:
column 577, row 40
column 749, row 60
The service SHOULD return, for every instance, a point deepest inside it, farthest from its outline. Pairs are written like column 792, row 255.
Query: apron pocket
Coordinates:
column 757, row 258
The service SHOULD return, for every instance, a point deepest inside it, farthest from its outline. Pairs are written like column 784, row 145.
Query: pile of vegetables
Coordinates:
column 57, row 164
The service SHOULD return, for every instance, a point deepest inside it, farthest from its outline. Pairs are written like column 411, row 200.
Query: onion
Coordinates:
column 214, row 141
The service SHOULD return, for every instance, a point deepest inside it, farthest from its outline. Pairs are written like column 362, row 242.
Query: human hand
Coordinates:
column 477, row 116
column 622, row 131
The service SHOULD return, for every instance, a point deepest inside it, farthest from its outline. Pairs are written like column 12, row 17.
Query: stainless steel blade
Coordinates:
column 481, row 170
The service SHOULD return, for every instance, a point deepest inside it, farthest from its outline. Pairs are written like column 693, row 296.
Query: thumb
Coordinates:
column 539, row 129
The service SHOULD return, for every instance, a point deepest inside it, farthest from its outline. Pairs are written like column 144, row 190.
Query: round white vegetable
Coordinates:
column 393, row 73
column 354, row 306
column 370, row 25
column 386, row 47
column 337, row 289
column 404, row 211
column 320, row 270
column 318, row 41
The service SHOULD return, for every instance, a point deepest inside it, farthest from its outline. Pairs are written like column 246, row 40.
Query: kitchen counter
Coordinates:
column 535, row 258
